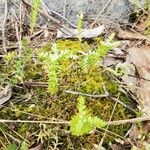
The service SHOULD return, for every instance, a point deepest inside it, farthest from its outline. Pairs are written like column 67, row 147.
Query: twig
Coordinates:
column 106, row 94
column 48, row 17
column 3, row 144
column 138, row 5
column 13, row 138
column 134, row 120
column 123, row 104
column 138, row 77
column 100, row 13
column 36, row 84
column 3, row 28
column 33, row 121
column 89, row 95
column 20, row 26
column 102, row 140
column 59, row 15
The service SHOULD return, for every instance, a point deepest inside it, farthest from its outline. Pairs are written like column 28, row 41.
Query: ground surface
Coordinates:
column 43, row 77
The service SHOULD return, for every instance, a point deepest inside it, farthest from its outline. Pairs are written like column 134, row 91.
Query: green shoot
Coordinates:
column 83, row 122
column 34, row 14
column 52, row 63
column 79, row 27
column 93, row 57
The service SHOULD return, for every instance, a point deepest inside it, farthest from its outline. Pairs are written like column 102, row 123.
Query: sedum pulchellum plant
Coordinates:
column 93, row 57
column 52, row 63
column 83, row 122
column 79, row 27
column 53, row 60
column 34, row 14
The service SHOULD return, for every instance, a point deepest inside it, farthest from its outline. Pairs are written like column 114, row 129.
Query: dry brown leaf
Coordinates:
column 5, row 94
column 140, row 57
column 85, row 33
column 127, row 35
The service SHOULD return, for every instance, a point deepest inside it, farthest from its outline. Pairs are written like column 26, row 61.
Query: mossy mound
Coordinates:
column 35, row 103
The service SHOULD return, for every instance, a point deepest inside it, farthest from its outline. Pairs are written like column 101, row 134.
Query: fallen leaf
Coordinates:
column 5, row 94
column 85, row 33
column 140, row 57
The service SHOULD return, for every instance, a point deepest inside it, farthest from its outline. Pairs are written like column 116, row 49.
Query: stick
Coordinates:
column 134, row 120
column 48, row 16
column 33, row 121
column 88, row 95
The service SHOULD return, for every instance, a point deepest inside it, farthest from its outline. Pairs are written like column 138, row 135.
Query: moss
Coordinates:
column 73, row 45
column 42, row 106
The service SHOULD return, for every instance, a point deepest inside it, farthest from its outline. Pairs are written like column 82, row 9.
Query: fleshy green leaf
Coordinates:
column 83, row 122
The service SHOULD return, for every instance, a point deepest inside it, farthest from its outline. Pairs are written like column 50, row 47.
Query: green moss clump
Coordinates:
column 35, row 103
column 73, row 45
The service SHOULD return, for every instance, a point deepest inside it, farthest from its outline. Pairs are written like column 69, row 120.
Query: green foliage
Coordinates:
column 147, row 32
column 18, row 63
column 92, row 57
column 52, row 63
column 75, row 46
column 9, row 57
column 79, row 27
column 89, row 60
column 136, row 6
column 12, row 147
column 83, row 122
column 52, row 78
column 18, row 74
column 34, row 14
column 24, row 146
column 54, row 60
